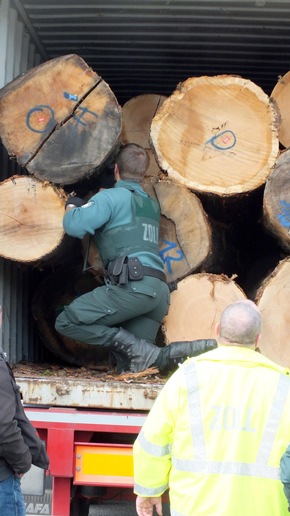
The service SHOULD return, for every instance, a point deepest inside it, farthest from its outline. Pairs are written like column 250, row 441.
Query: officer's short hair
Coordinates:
column 240, row 322
column 132, row 162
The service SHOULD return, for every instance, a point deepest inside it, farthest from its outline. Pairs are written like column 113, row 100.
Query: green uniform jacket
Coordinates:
column 110, row 209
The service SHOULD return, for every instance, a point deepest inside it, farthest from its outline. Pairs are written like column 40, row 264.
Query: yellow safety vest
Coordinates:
column 215, row 436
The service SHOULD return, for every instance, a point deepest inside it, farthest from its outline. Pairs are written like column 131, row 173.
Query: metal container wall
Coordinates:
column 18, row 337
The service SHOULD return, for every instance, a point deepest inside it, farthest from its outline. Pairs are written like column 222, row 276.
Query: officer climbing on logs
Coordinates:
column 124, row 314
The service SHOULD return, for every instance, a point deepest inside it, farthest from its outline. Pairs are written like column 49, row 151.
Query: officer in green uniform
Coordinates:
column 125, row 313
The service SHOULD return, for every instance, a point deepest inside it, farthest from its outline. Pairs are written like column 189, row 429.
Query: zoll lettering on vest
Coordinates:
column 150, row 233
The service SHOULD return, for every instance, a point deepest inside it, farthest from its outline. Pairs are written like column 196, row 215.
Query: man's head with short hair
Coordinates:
column 132, row 162
column 240, row 324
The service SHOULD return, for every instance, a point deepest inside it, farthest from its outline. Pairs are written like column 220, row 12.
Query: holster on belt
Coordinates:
column 118, row 271
column 136, row 270
column 124, row 269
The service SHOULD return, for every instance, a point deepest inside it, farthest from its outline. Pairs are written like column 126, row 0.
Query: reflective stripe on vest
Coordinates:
column 201, row 465
column 157, row 451
column 173, row 512
column 148, row 491
column 152, row 449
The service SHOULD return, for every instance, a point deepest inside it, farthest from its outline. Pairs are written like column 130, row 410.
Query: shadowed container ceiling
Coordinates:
column 149, row 47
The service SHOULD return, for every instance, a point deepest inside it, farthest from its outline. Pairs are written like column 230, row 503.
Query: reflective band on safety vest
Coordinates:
column 150, row 491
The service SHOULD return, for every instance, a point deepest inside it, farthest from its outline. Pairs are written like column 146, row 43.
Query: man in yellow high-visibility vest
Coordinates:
column 216, row 433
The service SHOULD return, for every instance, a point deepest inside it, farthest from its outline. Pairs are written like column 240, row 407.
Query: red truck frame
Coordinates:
column 86, row 448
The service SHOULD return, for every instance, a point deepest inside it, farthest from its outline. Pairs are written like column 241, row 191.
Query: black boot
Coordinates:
column 177, row 352
column 133, row 354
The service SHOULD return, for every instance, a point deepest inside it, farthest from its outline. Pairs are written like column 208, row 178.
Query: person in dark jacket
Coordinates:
column 20, row 445
column 126, row 313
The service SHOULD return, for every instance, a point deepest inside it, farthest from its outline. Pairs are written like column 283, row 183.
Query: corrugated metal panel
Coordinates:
column 18, row 50
column 149, row 47
column 17, row 333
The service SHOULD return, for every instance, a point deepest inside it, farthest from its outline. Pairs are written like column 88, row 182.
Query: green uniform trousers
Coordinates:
column 96, row 317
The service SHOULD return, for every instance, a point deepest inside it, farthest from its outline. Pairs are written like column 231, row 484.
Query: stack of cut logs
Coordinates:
column 219, row 167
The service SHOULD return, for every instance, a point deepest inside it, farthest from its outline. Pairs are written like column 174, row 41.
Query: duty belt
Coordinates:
column 124, row 269
column 149, row 271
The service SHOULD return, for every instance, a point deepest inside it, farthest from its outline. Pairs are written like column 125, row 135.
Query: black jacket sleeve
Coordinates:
column 28, row 432
column 13, row 448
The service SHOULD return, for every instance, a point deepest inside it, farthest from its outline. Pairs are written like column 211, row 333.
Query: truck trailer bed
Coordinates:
column 48, row 385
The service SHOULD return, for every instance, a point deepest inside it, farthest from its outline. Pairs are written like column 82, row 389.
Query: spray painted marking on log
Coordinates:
column 45, row 121
column 169, row 258
column 40, row 119
column 284, row 217
column 223, row 141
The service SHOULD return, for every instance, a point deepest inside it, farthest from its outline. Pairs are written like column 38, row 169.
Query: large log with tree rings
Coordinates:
column 31, row 213
column 60, row 120
column 216, row 135
column 196, row 306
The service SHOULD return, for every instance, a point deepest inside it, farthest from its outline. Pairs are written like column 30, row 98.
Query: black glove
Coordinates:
column 76, row 201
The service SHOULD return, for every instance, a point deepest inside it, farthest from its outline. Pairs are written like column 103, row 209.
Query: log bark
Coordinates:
column 281, row 96
column 60, row 120
column 55, row 291
column 31, row 213
column 273, row 301
column 196, row 306
column 276, row 202
column 137, row 115
column 216, row 135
